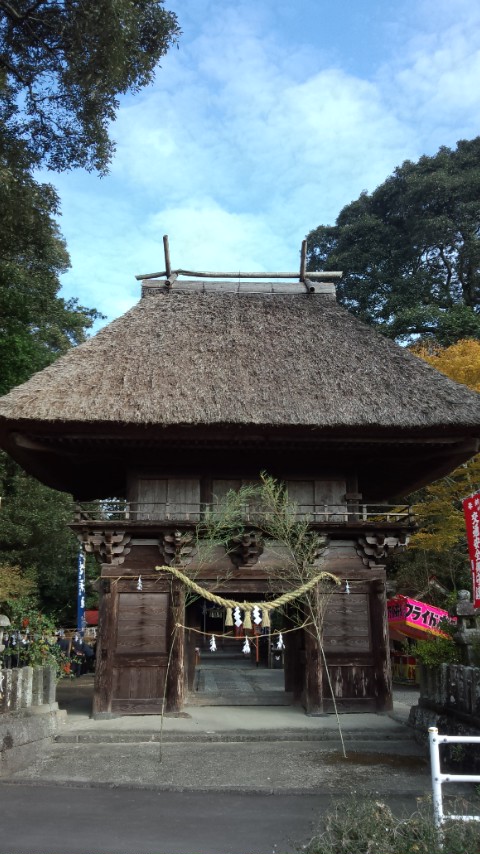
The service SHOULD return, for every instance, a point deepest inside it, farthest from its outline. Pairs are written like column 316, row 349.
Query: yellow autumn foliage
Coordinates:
column 440, row 514
column 460, row 362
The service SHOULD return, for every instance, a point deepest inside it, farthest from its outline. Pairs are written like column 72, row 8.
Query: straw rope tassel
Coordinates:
column 247, row 622
column 266, row 618
column 229, row 618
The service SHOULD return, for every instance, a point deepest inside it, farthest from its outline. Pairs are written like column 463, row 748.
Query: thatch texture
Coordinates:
column 247, row 359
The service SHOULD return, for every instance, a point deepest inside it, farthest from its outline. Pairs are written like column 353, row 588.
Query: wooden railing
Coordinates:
column 347, row 513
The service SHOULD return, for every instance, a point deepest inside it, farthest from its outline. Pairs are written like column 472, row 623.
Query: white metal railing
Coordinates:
column 122, row 510
column 438, row 778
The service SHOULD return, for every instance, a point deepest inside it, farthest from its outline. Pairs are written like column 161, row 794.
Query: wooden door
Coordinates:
column 140, row 652
column 355, row 641
column 349, row 651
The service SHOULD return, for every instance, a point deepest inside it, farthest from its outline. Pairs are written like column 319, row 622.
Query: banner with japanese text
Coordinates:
column 415, row 619
column 471, row 509
column 81, row 591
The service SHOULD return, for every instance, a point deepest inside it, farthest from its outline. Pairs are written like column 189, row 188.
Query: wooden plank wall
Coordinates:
column 355, row 639
column 175, row 498
column 180, row 494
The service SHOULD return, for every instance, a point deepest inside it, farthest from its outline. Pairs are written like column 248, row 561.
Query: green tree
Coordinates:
column 63, row 64
column 410, row 250
column 34, row 537
column 439, row 547
column 15, row 584
column 36, row 325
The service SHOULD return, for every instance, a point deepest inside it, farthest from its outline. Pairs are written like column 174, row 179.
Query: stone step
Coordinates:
column 398, row 740
column 263, row 698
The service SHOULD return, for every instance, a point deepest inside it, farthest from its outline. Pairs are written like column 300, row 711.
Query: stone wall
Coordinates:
column 29, row 715
column 450, row 700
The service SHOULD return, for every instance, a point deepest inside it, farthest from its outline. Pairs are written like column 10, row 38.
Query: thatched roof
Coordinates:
column 218, row 357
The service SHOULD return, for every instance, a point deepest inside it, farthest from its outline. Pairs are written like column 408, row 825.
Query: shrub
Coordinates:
column 38, row 630
column 437, row 651
column 370, row 827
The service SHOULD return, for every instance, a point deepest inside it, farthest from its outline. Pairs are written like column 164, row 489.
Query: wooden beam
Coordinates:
column 325, row 275
column 166, row 249
column 303, row 260
column 171, row 279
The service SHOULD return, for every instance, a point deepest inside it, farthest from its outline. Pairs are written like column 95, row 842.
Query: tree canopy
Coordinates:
column 34, row 537
column 439, row 548
column 411, row 249
column 440, row 509
column 63, row 64
column 36, row 324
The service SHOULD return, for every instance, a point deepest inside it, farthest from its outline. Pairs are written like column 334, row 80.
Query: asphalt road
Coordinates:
column 45, row 820
column 93, row 797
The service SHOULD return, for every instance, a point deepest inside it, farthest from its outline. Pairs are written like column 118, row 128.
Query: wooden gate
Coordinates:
column 140, row 653
column 134, row 652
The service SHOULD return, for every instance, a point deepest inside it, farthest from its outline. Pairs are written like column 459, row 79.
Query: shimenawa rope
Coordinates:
column 266, row 607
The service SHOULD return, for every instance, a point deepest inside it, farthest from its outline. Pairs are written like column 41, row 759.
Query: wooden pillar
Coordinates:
column 175, row 697
column 313, row 697
column 293, row 667
column 103, row 669
column 381, row 646
column 191, row 643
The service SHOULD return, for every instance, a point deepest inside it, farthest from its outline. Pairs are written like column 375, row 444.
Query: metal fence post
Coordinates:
column 436, row 780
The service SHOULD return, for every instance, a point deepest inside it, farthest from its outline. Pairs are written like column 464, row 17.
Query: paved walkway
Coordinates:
column 227, row 721
column 263, row 749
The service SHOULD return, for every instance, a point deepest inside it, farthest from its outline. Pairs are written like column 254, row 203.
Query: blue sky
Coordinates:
column 269, row 118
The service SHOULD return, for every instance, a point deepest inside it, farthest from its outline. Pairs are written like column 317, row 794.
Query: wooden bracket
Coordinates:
column 374, row 547
column 246, row 549
column 177, row 548
column 107, row 546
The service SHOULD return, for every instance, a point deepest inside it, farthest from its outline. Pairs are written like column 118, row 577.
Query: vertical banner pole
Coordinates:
column 81, row 592
column 471, row 509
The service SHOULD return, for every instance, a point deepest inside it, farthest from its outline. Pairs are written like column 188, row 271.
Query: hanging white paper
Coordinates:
column 257, row 615
column 246, row 647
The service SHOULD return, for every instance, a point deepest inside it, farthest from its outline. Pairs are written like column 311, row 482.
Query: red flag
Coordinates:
column 471, row 509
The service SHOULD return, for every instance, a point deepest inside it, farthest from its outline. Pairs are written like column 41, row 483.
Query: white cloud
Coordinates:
column 237, row 239
column 433, row 85
column 252, row 136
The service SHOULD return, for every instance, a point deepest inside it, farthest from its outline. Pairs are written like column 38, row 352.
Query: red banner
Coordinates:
column 471, row 508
